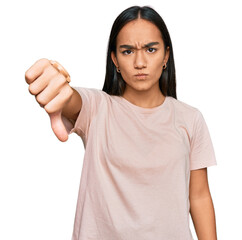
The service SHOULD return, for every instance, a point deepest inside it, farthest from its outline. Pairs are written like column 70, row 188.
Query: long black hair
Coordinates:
column 114, row 83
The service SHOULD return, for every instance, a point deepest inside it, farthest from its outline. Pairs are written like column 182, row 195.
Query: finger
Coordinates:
column 58, row 126
column 43, row 80
column 60, row 100
column 36, row 70
column 50, row 92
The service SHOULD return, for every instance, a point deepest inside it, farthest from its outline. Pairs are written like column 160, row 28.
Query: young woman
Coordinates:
column 146, row 153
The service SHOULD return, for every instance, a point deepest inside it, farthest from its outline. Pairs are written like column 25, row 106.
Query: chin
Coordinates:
column 142, row 87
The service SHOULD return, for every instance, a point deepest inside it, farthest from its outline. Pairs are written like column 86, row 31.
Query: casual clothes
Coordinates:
column 136, row 168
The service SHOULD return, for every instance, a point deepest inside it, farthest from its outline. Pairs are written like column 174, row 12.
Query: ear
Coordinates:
column 114, row 59
column 167, row 54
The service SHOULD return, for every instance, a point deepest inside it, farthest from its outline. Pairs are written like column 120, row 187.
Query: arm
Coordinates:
column 201, row 205
column 73, row 107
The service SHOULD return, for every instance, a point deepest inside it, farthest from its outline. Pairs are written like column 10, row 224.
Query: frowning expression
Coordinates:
column 140, row 50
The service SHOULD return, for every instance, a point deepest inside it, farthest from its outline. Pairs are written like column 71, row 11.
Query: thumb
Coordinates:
column 58, row 126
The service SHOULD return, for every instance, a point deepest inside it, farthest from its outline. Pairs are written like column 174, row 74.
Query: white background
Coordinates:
column 39, row 175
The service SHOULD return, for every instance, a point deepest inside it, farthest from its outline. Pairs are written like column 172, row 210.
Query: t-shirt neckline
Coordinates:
column 146, row 110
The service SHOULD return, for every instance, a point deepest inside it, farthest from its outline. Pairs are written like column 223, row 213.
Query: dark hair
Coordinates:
column 114, row 83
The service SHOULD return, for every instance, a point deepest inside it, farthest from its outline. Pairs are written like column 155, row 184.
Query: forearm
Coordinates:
column 203, row 217
column 73, row 107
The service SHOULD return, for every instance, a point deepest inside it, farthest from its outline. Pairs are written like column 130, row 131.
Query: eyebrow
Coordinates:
column 132, row 47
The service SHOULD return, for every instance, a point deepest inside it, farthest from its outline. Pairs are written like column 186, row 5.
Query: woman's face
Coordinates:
column 138, row 58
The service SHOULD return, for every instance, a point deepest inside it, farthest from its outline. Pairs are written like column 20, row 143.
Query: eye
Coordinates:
column 152, row 48
column 124, row 52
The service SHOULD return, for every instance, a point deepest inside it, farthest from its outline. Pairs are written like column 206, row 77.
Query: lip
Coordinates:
column 141, row 74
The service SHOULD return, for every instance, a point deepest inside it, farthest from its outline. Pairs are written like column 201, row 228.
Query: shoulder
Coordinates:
column 183, row 106
column 187, row 112
column 92, row 94
column 88, row 90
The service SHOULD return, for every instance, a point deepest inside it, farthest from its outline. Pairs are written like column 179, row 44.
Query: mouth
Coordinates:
column 141, row 76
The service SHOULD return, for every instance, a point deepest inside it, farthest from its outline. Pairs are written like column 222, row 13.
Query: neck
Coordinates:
column 145, row 99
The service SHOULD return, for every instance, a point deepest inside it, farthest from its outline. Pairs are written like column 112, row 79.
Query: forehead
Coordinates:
column 138, row 32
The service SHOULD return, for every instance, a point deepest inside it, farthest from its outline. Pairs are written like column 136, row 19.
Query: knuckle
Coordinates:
column 28, row 76
column 40, row 100
column 48, row 109
column 50, row 71
column 44, row 61
column 31, row 89
column 30, row 73
column 60, row 78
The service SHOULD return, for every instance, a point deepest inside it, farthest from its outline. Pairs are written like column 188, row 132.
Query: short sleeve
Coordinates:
column 202, row 151
column 90, row 98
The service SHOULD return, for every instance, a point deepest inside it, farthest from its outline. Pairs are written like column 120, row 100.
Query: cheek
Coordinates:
column 125, row 61
column 156, row 66
column 126, row 66
column 157, row 61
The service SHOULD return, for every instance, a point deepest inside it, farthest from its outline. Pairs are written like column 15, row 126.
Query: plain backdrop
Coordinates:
column 39, row 175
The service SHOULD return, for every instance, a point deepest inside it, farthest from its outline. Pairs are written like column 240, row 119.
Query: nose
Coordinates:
column 139, row 60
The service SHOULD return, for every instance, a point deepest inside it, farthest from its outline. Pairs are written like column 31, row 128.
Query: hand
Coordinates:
column 51, row 91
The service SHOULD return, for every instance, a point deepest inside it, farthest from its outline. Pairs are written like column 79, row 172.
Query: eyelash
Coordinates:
column 130, row 50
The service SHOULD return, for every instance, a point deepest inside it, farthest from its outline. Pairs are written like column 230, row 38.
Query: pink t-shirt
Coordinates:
column 136, row 169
